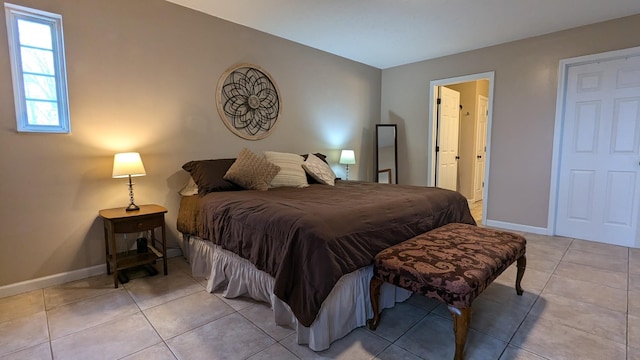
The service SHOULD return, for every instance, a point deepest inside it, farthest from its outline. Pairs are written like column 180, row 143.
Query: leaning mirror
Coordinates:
column 386, row 154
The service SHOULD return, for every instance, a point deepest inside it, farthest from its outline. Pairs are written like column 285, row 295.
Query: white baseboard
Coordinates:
column 517, row 227
column 61, row 278
column 51, row 280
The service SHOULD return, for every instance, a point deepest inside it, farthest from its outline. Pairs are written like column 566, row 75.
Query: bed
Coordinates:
column 308, row 251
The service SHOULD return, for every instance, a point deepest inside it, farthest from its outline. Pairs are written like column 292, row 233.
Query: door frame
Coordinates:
column 486, row 98
column 563, row 73
column 432, row 126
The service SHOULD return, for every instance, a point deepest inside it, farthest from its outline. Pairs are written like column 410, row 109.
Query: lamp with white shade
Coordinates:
column 128, row 165
column 347, row 157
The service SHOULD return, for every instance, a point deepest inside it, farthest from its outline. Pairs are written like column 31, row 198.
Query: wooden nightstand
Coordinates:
column 120, row 221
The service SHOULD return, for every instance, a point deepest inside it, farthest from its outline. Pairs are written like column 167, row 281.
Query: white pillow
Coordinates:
column 190, row 189
column 291, row 171
column 319, row 170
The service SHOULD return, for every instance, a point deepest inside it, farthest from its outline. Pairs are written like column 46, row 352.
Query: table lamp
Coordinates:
column 347, row 157
column 128, row 165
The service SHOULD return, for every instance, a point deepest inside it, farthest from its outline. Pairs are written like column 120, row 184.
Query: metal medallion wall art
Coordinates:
column 248, row 101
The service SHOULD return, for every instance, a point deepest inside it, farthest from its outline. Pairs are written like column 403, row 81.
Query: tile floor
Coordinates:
column 581, row 301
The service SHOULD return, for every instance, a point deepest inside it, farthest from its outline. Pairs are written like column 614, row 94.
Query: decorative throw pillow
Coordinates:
column 251, row 171
column 291, row 171
column 207, row 174
column 190, row 189
column 319, row 170
column 322, row 157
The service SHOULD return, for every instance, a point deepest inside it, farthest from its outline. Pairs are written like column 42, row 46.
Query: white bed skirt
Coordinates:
column 346, row 308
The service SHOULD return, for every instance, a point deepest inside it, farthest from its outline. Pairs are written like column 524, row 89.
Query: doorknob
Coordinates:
column 479, row 156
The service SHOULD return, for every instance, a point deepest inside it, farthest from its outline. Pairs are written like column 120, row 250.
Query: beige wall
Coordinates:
column 523, row 111
column 142, row 77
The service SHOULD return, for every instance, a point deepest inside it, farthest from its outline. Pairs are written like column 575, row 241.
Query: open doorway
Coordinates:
column 468, row 139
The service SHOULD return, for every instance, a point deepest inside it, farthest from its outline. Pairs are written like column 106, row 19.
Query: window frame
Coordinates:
column 54, row 21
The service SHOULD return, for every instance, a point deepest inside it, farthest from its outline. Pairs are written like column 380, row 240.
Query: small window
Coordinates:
column 38, row 70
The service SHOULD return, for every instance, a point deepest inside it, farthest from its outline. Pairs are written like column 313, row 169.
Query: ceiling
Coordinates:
column 388, row 33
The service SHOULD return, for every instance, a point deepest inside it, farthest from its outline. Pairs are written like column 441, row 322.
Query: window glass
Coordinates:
column 34, row 34
column 37, row 61
column 39, row 87
column 43, row 113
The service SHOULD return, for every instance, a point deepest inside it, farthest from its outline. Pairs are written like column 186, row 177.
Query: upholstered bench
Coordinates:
column 452, row 264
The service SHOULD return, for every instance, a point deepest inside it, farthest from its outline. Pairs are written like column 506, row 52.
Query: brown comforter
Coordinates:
column 308, row 238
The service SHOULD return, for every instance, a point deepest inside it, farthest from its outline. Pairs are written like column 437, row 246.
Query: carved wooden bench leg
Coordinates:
column 521, row 264
column 461, row 320
column 374, row 295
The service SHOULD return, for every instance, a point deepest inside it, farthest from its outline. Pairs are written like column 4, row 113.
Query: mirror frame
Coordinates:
column 395, row 151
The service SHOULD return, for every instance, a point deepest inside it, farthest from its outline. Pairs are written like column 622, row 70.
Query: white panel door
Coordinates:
column 448, row 125
column 599, row 183
column 481, row 147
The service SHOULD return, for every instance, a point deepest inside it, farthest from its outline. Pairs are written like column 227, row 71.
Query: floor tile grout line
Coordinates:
column 432, row 312
column 282, row 344
column 163, row 341
column 413, row 326
column 51, row 340
column 366, row 327
column 584, row 331
column 592, row 266
column 14, row 351
column 589, row 282
column 564, row 254
column 163, row 303
column 88, row 328
column 538, row 296
column 260, row 328
column 573, row 327
column 597, row 268
column 197, row 327
column 382, row 350
column 79, row 299
column 46, row 314
column 286, row 348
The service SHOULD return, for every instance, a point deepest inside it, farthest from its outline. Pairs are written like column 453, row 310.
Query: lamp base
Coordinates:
column 132, row 207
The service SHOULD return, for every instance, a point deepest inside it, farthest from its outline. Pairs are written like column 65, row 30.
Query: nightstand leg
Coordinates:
column 164, row 249
column 114, row 259
column 106, row 249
